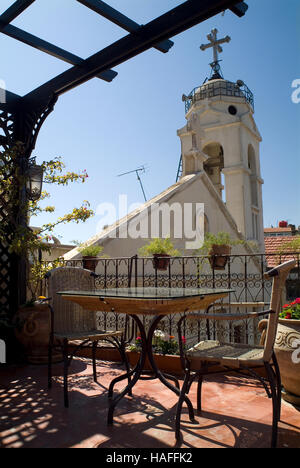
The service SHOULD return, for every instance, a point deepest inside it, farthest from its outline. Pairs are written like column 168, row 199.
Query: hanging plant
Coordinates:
column 218, row 248
column 161, row 250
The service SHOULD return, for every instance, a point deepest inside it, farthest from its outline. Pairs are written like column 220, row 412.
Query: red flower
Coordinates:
column 138, row 338
column 183, row 339
column 288, row 316
column 286, row 305
column 297, row 301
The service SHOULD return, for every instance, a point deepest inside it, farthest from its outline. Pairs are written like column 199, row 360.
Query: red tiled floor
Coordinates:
column 236, row 412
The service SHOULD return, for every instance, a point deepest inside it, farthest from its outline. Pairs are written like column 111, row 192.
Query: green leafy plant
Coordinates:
column 291, row 311
column 38, row 271
column 136, row 346
column 290, row 246
column 162, row 343
column 91, row 250
column 218, row 249
column 222, row 238
column 159, row 246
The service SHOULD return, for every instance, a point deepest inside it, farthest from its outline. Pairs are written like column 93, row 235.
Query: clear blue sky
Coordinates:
column 110, row 128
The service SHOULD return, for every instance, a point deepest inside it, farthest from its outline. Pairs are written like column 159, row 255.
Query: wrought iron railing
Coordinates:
column 219, row 88
column 244, row 274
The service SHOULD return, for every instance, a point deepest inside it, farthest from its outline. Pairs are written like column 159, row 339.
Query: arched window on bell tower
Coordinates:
column 254, row 192
column 214, row 165
column 253, row 175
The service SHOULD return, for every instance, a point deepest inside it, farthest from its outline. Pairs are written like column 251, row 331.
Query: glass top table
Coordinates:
column 147, row 293
column 145, row 301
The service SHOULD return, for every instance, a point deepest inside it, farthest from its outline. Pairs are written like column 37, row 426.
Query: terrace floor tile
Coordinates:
column 236, row 412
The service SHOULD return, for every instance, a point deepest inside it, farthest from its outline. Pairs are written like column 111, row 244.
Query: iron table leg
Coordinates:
column 136, row 374
column 137, row 371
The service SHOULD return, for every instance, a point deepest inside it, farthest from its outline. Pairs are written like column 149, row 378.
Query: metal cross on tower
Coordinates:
column 215, row 43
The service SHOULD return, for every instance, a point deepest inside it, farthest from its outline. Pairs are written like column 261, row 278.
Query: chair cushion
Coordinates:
column 92, row 335
column 227, row 354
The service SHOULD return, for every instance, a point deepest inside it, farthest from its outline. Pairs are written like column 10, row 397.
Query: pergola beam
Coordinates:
column 175, row 21
column 44, row 46
column 14, row 11
column 239, row 9
column 113, row 15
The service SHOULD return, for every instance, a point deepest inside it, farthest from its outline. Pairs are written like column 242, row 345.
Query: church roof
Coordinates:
column 162, row 197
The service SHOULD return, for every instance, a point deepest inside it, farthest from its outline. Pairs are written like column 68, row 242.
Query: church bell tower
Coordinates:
column 222, row 139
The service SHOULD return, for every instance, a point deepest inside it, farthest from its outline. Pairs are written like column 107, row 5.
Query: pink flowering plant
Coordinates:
column 291, row 311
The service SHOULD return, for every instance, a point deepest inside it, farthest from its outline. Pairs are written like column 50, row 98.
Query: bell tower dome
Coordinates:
column 221, row 139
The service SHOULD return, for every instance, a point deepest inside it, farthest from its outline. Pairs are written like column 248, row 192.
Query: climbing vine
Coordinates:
column 18, row 236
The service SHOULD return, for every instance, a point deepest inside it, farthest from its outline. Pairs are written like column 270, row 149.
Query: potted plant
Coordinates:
column 34, row 317
column 165, row 349
column 287, row 349
column 161, row 250
column 33, row 333
column 89, row 255
column 218, row 248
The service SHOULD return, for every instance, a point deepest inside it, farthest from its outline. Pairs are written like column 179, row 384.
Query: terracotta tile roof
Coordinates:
column 277, row 229
column 273, row 245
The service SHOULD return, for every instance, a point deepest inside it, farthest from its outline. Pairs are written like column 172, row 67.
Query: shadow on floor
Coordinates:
column 33, row 417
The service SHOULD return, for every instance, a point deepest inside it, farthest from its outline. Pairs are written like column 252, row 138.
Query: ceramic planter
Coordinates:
column 165, row 362
column 287, row 349
column 34, row 334
column 219, row 256
column 89, row 263
column 161, row 261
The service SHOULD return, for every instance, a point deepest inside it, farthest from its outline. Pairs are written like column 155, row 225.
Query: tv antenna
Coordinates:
column 139, row 170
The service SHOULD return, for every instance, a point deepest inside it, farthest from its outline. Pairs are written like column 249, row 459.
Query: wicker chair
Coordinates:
column 71, row 323
column 238, row 357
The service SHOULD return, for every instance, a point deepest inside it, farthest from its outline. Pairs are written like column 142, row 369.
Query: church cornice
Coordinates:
column 185, row 131
column 206, row 105
column 237, row 169
column 212, row 127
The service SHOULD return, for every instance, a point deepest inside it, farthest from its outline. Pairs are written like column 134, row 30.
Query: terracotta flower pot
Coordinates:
column 34, row 335
column 89, row 263
column 219, row 256
column 287, row 349
column 161, row 261
column 165, row 362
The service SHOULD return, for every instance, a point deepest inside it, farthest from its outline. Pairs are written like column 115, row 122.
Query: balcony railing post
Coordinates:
column 246, row 297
